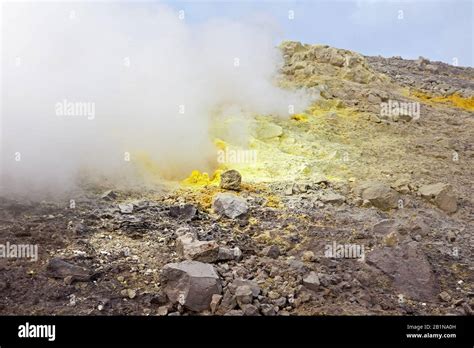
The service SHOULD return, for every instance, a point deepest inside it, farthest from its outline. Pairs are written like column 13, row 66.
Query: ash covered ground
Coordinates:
column 346, row 210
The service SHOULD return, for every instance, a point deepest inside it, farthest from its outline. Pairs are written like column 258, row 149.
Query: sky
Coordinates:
column 441, row 30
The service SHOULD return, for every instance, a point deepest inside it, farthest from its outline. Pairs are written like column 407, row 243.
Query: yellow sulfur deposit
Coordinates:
column 220, row 144
column 202, row 179
column 307, row 145
column 453, row 99
column 300, row 117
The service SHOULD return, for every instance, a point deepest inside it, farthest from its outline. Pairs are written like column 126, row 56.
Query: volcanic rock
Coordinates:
column 409, row 270
column 253, row 285
column 191, row 283
column 61, row 269
column 126, row 208
column 190, row 248
column 271, row 251
column 311, row 281
column 108, row 195
column 229, row 205
column 442, row 195
column 378, row 194
column 231, row 180
column 331, row 197
column 215, row 301
column 184, row 212
column 227, row 254
column 250, row 310
column 243, row 295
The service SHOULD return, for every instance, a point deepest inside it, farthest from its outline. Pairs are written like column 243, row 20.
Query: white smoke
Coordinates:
column 88, row 86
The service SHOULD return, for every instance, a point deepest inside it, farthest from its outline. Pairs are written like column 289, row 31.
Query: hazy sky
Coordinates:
column 436, row 29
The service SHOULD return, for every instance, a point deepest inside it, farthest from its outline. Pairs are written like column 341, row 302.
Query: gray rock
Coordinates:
column 273, row 295
column 108, row 195
column 237, row 254
column 215, row 301
column 231, row 180
column 159, row 299
column 126, row 208
column 384, row 227
column 331, row 197
column 183, row 212
column 268, row 310
column 311, row 281
column 271, row 251
column 378, row 194
column 280, row 302
column 418, row 226
column 250, row 310
column 253, row 285
column 190, row 248
column 191, row 283
column 243, row 295
column 227, row 254
column 61, row 269
column 297, row 265
column 445, row 296
column 440, row 194
column 181, row 231
column 162, row 311
column 131, row 293
column 409, row 270
column 79, row 228
column 228, row 301
column 229, row 205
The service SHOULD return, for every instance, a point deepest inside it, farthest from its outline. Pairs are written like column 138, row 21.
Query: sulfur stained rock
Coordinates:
column 267, row 130
column 231, row 180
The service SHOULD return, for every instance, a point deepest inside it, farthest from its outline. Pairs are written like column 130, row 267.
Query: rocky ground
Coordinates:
column 395, row 187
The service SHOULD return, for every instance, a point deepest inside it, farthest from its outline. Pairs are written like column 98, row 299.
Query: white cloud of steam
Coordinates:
column 136, row 66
